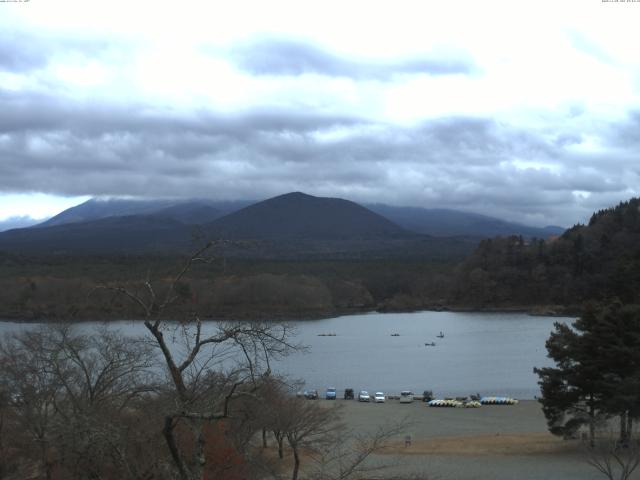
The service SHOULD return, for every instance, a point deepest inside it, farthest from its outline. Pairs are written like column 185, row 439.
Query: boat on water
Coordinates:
column 432, row 344
column 440, row 335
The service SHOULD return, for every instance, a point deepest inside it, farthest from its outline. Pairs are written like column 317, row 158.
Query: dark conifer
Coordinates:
column 597, row 372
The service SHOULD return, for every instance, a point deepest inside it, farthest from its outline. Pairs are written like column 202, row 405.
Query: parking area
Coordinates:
column 500, row 442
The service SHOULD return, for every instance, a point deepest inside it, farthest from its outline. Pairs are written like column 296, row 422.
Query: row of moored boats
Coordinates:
column 454, row 403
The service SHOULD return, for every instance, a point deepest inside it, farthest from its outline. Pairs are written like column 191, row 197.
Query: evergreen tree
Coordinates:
column 618, row 328
column 597, row 371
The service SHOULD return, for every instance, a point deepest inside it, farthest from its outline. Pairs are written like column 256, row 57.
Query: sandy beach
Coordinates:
column 491, row 442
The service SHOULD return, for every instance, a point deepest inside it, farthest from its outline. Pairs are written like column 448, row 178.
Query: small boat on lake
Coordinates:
column 440, row 335
column 432, row 344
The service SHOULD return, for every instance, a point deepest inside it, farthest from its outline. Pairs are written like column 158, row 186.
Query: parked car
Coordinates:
column 311, row 394
column 378, row 397
column 406, row 396
column 348, row 394
column 330, row 394
column 363, row 396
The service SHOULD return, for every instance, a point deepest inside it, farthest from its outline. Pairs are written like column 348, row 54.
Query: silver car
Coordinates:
column 363, row 396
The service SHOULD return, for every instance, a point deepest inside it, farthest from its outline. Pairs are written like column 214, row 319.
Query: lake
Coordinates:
column 486, row 353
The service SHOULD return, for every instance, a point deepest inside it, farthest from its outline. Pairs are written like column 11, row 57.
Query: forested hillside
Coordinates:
column 588, row 262
column 56, row 288
column 597, row 261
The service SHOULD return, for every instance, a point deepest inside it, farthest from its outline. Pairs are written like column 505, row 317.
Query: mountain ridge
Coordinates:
column 95, row 209
column 298, row 215
column 443, row 222
column 293, row 224
column 438, row 222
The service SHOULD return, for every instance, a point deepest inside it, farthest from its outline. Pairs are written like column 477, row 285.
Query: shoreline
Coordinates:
column 466, row 374
column 534, row 311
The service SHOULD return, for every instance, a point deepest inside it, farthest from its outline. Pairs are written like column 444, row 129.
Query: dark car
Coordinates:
column 348, row 394
column 311, row 394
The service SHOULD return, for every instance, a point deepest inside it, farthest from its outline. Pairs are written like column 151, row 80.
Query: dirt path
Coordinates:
column 509, row 444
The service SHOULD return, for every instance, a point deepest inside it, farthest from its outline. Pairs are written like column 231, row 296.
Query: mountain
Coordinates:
column 301, row 216
column 122, row 235
column 293, row 226
column 95, row 209
column 191, row 211
column 434, row 222
column 17, row 222
column 449, row 223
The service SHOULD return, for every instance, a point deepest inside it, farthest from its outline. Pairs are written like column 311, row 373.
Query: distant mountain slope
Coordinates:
column 129, row 234
column 447, row 223
column 298, row 215
column 435, row 222
column 289, row 226
column 293, row 225
column 191, row 211
column 95, row 209
column 17, row 222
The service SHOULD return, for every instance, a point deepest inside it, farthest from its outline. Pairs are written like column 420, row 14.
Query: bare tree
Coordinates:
column 275, row 414
column 32, row 393
column 614, row 459
column 208, row 368
column 105, row 376
column 307, row 425
column 331, row 451
column 71, row 393
column 346, row 453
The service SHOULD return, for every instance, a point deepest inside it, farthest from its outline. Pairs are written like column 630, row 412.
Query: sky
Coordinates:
column 525, row 110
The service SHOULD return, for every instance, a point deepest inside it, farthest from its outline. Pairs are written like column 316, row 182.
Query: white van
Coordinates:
column 406, row 396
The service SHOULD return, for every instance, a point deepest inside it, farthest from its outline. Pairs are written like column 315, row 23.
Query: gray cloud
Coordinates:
column 15, row 55
column 22, row 52
column 279, row 56
column 79, row 148
column 627, row 135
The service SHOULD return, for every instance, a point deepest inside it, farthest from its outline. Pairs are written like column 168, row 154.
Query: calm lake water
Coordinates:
column 488, row 353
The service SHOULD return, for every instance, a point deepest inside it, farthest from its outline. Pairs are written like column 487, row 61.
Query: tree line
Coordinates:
column 597, row 261
column 50, row 289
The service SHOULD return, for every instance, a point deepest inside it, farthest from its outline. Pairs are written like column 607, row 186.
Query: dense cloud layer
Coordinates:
column 260, row 115
column 280, row 56
column 459, row 162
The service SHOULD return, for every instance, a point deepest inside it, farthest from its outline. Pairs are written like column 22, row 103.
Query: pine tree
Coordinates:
column 597, row 373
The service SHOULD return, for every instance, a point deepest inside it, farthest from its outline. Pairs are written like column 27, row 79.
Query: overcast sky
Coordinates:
column 527, row 110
